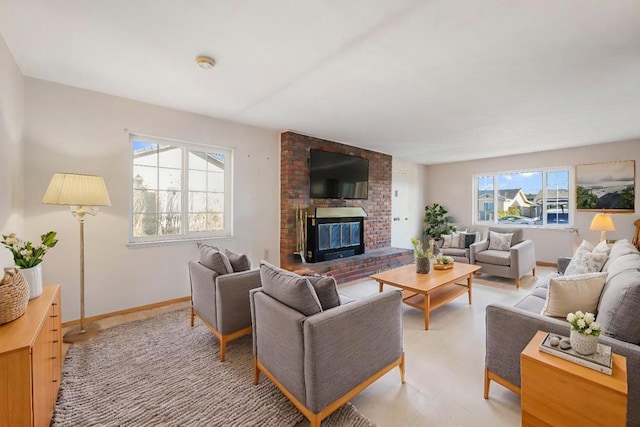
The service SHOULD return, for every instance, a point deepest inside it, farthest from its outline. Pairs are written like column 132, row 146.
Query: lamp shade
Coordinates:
column 602, row 222
column 76, row 190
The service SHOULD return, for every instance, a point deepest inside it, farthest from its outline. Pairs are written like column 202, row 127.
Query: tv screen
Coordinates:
column 338, row 176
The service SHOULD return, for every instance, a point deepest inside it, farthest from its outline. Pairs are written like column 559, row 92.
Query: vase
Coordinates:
column 423, row 265
column 33, row 276
column 583, row 344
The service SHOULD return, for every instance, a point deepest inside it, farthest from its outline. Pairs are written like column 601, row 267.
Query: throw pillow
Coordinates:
column 239, row 262
column 568, row 294
column 215, row 260
column 467, row 239
column 500, row 241
column 327, row 291
column 455, row 239
column 290, row 289
column 446, row 241
column 602, row 248
column 584, row 261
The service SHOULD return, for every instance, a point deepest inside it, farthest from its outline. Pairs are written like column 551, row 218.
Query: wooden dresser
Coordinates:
column 31, row 362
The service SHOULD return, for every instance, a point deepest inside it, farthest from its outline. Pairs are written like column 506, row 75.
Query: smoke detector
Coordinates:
column 205, row 62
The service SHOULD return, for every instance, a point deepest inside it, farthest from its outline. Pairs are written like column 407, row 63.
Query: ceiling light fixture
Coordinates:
column 205, row 62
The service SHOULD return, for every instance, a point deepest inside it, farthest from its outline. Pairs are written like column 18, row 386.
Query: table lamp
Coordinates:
column 602, row 222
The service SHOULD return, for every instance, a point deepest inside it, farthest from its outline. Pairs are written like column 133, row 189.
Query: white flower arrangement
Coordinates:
column 584, row 323
column 26, row 254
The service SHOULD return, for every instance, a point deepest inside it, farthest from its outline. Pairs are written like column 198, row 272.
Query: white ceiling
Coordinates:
column 426, row 81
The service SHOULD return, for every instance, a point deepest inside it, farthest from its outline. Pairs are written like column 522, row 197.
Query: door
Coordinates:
column 400, row 229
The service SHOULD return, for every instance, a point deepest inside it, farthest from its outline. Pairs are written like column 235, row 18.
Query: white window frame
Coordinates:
column 544, row 171
column 186, row 235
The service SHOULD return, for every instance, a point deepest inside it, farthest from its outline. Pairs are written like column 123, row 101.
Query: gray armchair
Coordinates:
column 321, row 357
column 513, row 263
column 222, row 301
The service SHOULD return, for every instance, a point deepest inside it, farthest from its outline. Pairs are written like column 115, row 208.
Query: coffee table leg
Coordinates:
column 469, row 286
column 427, row 309
column 380, row 286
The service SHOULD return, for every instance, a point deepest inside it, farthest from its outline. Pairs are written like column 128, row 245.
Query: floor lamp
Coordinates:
column 79, row 192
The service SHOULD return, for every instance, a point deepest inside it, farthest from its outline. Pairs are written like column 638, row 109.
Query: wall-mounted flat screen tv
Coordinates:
column 338, row 176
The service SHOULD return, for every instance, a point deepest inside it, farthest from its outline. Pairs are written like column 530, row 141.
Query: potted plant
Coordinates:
column 423, row 264
column 437, row 221
column 584, row 332
column 28, row 257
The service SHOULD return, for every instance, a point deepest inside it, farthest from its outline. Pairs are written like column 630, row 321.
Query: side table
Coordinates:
column 557, row 392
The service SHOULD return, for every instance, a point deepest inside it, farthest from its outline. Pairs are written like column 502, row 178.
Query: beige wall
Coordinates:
column 11, row 125
column 74, row 130
column 451, row 185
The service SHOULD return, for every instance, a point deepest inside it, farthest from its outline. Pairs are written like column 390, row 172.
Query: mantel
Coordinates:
column 337, row 212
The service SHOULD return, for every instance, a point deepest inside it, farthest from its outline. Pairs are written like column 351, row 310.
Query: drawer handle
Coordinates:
column 54, row 303
column 55, row 341
column 55, row 381
column 54, row 315
column 54, row 358
column 54, row 330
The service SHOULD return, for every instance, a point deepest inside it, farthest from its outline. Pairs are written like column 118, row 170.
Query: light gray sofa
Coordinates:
column 316, row 350
column 509, row 329
column 220, row 297
column 514, row 263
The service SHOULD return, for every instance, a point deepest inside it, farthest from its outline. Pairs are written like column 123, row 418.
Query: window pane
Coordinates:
column 170, row 157
column 145, row 153
column 197, row 160
column 215, row 202
column 169, row 179
column 215, row 181
column 145, row 201
column 557, row 194
column 198, row 222
column 215, row 221
column 170, row 201
column 145, row 177
column 197, row 202
column 169, row 224
column 145, row 225
column 485, row 198
column 197, row 181
column 516, row 195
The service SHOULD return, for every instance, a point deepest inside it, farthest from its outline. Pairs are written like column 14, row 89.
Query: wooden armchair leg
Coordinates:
column 402, row 369
column 487, row 383
column 223, row 348
column 256, row 372
column 517, row 283
column 534, row 272
column 193, row 315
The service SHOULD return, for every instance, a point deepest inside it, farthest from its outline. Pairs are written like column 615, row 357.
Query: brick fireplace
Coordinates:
column 294, row 196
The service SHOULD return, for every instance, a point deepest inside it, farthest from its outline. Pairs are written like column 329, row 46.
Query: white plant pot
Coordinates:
column 33, row 276
column 583, row 344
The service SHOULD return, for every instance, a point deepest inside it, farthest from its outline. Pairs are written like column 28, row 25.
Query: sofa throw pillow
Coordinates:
column 446, row 241
column 500, row 241
column 571, row 293
column 215, row 260
column 239, row 262
column 290, row 289
column 467, row 239
column 584, row 261
column 326, row 289
column 455, row 239
column 602, row 248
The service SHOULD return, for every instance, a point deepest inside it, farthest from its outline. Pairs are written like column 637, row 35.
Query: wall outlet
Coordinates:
column 265, row 255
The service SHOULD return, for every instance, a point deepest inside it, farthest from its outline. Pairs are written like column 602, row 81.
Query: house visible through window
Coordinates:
column 179, row 190
column 530, row 198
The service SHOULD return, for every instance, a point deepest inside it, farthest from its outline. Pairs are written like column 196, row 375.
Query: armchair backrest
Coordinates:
column 518, row 233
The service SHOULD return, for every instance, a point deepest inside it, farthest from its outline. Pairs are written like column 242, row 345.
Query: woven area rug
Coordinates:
column 161, row 372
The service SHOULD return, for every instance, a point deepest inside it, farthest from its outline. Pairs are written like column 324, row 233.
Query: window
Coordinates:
column 536, row 198
column 179, row 190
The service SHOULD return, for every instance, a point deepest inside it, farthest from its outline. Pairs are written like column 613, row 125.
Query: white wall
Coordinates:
column 74, row 130
column 11, row 125
column 451, row 185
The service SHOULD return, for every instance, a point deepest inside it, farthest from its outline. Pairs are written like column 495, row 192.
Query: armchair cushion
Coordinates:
column 290, row 289
column 500, row 241
column 494, row 257
column 567, row 294
column 212, row 258
column 239, row 262
column 327, row 291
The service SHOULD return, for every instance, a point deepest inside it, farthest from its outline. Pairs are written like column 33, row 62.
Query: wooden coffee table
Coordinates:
column 429, row 291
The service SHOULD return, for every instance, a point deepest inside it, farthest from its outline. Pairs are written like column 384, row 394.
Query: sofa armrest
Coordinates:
column 203, row 292
column 348, row 344
column 563, row 263
column 523, row 258
column 232, row 299
column 476, row 247
column 509, row 330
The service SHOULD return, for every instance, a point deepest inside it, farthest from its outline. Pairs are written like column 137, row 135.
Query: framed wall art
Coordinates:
column 606, row 186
